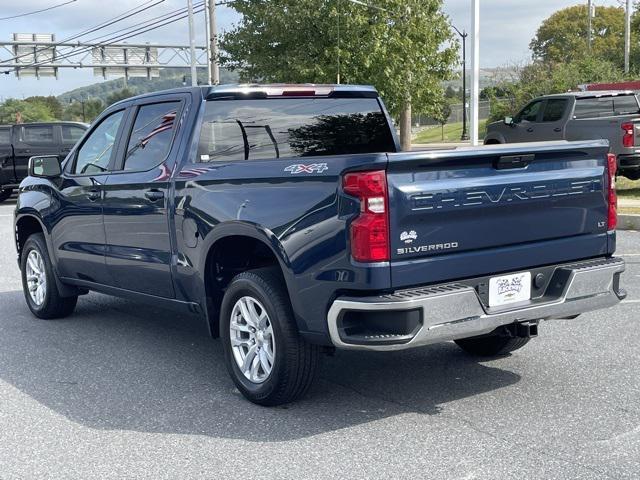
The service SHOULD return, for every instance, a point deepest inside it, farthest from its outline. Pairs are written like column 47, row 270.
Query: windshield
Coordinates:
column 292, row 127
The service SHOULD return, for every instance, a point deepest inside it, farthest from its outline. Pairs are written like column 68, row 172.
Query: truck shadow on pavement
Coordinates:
column 117, row 364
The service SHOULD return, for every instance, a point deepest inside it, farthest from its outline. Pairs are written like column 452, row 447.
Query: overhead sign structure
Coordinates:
column 124, row 61
column 34, row 49
column 39, row 55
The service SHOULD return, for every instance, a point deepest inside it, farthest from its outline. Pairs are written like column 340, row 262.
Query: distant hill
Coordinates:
column 168, row 79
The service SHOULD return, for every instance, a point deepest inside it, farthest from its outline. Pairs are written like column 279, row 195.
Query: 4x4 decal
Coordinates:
column 302, row 168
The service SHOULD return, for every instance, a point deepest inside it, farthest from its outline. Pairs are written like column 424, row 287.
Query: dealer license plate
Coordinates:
column 509, row 289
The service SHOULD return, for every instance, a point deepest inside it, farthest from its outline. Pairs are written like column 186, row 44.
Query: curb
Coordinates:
column 628, row 222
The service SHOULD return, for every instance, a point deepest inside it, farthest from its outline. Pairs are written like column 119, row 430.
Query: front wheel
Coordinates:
column 5, row 194
column 267, row 360
column 39, row 281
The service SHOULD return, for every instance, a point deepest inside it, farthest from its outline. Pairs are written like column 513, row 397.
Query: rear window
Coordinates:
column 5, row 136
column 292, row 127
column 606, row 106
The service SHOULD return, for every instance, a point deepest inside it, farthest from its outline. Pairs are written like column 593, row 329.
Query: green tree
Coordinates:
column 51, row 103
column 119, row 95
column 405, row 51
column 92, row 108
column 540, row 78
column 13, row 110
column 442, row 114
column 563, row 37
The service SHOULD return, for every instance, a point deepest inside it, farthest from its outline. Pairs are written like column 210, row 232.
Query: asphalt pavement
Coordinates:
column 124, row 390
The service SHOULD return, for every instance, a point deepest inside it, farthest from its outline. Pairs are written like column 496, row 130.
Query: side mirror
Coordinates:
column 508, row 121
column 45, row 167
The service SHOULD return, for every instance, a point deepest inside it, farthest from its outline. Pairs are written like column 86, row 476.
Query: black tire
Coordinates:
column 295, row 361
column 53, row 305
column 5, row 194
column 633, row 175
column 491, row 345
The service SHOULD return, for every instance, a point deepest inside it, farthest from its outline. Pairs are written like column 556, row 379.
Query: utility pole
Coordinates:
column 589, row 27
column 475, row 70
column 627, row 37
column 213, row 44
column 192, row 46
column 464, row 35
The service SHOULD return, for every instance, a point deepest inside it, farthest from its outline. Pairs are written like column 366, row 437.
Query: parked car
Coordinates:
column 288, row 218
column 20, row 142
column 612, row 115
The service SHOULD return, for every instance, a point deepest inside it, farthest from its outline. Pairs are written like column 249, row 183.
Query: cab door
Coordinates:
column 78, row 232
column 32, row 140
column 525, row 124
column 137, row 199
column 553, row 119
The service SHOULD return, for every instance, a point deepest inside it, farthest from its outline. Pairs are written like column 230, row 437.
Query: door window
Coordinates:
column 71, row 133
column 37, row 134
column 150, row 140
column 96, row 151
column 554, row 110
column 530, row 112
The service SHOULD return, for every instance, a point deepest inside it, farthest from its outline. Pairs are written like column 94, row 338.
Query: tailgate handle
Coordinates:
column 513, row 161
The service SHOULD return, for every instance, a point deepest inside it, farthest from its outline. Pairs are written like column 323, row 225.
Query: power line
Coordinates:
column 38, row 11
column 141, row 28
column 118, row 18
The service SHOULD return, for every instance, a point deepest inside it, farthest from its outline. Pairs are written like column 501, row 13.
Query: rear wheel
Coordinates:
column 39, row 281
column 492, row 345
column 5, row 194
column 633, row 175
column 266, row 358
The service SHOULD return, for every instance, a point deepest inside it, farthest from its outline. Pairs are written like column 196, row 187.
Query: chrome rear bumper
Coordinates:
column 453, row 311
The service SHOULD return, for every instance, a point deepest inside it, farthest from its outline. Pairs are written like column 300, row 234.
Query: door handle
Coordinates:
column 94, row 195
column 530, row 129
column 557, row 129
column 154, row 195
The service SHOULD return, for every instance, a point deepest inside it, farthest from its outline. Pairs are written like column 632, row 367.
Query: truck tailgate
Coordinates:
column 478, row 211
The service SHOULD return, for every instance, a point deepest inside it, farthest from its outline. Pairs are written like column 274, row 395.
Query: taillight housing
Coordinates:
column 370, row 230
column 612, row 198
column 628, row 138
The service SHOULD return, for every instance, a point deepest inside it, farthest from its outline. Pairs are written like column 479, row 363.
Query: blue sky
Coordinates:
column 507, row 26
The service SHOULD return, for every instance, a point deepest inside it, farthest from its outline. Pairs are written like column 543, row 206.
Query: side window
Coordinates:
column 95, row 153
column 530, row 112
column 150, row 140
column 34, row 134
column 71, row 133
column 554, row 110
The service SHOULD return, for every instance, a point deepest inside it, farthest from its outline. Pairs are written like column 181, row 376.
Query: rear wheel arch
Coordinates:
column 228, row 256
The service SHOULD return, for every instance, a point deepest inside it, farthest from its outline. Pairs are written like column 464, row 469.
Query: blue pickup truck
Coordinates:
column 288, row 218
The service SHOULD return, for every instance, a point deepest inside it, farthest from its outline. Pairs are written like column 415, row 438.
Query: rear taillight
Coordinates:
column 628, row 139
column 370, row 230
column 612, row 166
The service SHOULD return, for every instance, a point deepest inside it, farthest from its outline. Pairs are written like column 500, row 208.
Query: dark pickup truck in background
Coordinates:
column 609, row 115
column 288, row 218
column 20, row 142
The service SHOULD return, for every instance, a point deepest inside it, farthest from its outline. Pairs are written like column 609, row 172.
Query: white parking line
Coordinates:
column 630, row 301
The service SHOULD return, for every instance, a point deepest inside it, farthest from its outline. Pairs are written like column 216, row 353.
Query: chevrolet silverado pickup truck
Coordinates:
column 20, row 142
column 289, row 219
column 610, row 115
